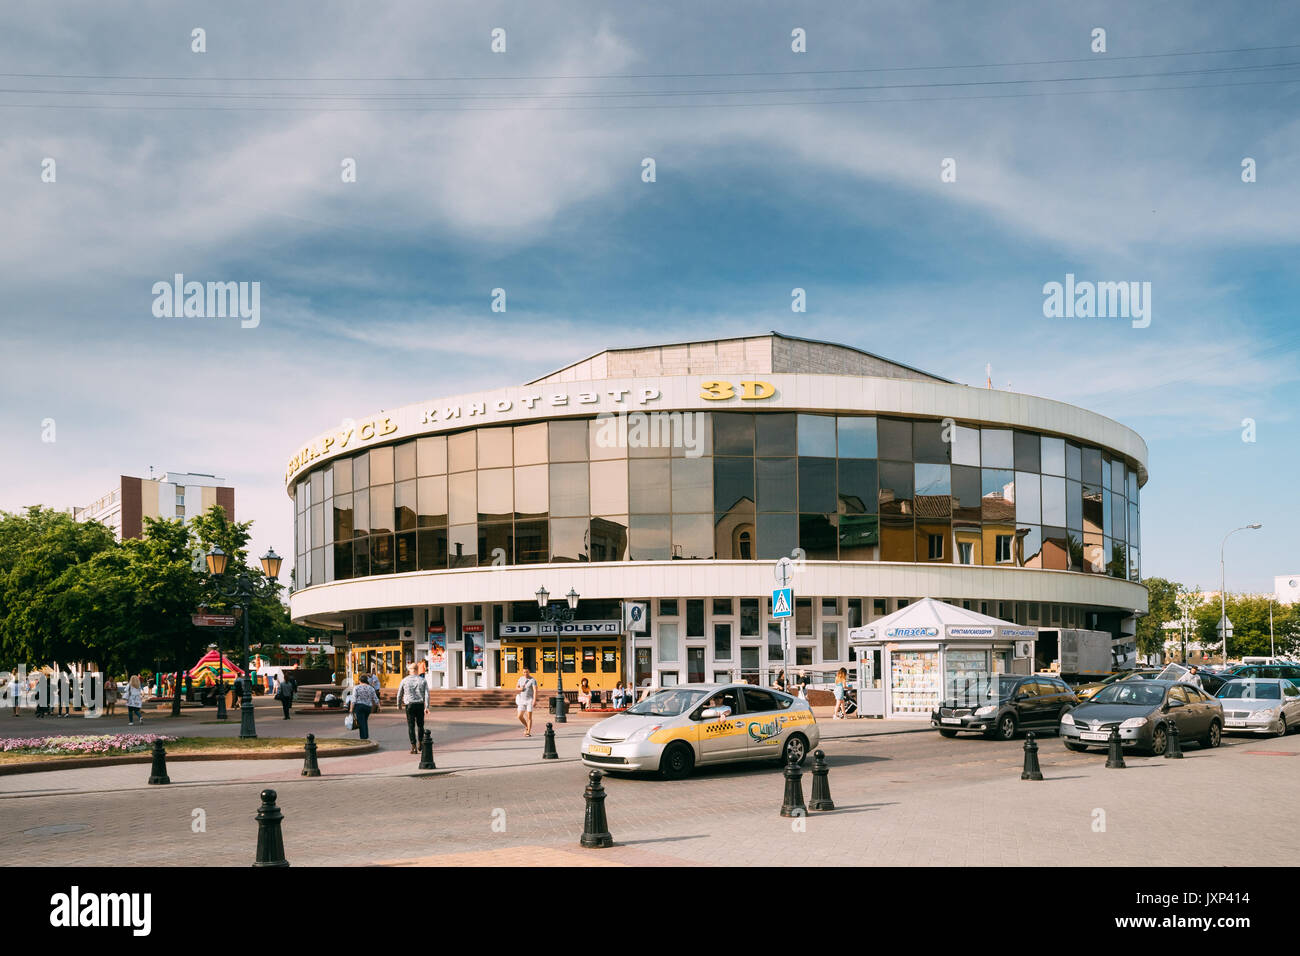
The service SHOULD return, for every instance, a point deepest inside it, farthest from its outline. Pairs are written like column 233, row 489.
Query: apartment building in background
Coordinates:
column 173, row 495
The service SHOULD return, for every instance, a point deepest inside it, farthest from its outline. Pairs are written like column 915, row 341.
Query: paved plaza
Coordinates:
column 904, row 796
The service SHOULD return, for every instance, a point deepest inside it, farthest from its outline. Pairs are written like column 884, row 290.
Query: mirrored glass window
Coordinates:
column 532, row 542
column 496, row 447
column 1029, row 507
column 360, row 471
column 568, row 441
column 817, row 484
column 1029, row 546
column 496, row 494
column 1092, row 466
column 1074, row 506
column 404, row 462
column 692, row 487
column 361, row 514
column 733, row 433
column 1053, row 456
column 609, row 487
column 532, row 491
column 933, row 542
column 462, row 498
column 462, row 546
column 896, row 480
column 431, row 499
column 776, row 484
column 967, row 493
column 650, row 487
column 965, row 445
column 1056, row 548
column 733, row 483
column 496, row 544
column 819, row 536
column 897, row 538
column 997, row 449
column 857, row 486
column 1053, row 501
column 342, row 476
column 998, row 495
column 857, row 436
column 778, row 535
column 650, row 537
column 462, row 452
column 569, row 539
column 1027, row 447
column 692, row 536
column 775, row 435
column 859, row 537
column 530, row 444
column 381, row 509
column 817, row 436
column 404, row 501
column 569, row 497
column 928, row 444
column 609, row 538
column 431, row 455
column 1073, row 462
column 381, row 466
column 894, row 438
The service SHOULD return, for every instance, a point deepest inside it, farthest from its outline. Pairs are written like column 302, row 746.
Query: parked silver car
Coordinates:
column 1260, row 705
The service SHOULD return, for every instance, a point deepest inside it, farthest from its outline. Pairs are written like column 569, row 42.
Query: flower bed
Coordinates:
column 88, row 744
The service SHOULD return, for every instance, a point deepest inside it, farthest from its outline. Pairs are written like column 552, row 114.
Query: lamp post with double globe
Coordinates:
column 558, row 615
column 241, row 589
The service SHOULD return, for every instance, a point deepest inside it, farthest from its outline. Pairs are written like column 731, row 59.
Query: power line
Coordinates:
column 640, row 76
column 636, row 106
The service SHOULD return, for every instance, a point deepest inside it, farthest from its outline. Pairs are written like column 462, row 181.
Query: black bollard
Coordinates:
column 310, row 768
column 1115, row 752
column 792, row 805
column 270, row 841
column 426, row 752
column 821, row 791
column 158, row 773
column 595, row 830
column 221, row 701
column 1175, row 749
column 548, row 748
column 1032, row 771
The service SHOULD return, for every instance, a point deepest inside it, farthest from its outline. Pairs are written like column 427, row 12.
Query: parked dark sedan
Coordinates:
column 1143, row 710
column 1011, row 704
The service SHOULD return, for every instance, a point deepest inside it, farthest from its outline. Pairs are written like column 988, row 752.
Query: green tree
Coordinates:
column 1161, row 594
column 41, row 552
column 1249, row 616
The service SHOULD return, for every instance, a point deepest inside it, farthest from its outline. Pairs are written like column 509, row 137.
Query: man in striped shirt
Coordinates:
column 414, row 692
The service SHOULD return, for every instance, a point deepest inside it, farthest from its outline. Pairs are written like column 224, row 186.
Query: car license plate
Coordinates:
column 950, row 720
column 598, row 749
column 1235, row 723
column 1093, row 735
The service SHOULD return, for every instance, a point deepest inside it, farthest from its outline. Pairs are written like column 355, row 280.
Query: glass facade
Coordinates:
column 841, row 487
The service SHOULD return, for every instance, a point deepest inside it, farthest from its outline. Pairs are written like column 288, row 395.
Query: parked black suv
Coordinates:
column 1011, row 703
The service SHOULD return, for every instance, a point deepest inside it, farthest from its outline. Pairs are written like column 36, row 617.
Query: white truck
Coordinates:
column 1078, row 653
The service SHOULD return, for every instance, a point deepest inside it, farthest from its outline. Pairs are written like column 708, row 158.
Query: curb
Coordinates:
column 81, row 763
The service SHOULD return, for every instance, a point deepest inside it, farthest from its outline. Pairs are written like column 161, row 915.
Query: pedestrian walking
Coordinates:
column 373, row 681
column 364, row 703
column 134, row 700
column 525, row 697
column 1192, row 676
column 413, row 693
column 284, row 694
column 841, row 679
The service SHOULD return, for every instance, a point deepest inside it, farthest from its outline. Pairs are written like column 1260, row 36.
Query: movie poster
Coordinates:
column 438, row 648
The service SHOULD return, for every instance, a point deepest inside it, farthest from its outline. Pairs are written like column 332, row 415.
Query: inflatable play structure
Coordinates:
column 210, row 667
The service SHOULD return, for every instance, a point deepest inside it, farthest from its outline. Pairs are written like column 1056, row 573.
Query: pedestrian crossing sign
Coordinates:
column 782, row 602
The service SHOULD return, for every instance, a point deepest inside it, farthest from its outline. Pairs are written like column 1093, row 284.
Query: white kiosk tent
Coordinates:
column 930, row 651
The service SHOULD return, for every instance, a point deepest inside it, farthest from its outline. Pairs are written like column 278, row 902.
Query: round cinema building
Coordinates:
column 668, row 480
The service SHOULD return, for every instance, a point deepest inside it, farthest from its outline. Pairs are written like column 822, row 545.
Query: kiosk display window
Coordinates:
column 914, row 682
column 966, row 676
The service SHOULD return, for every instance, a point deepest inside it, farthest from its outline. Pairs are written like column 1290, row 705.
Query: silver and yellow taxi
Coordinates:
column 676, row 728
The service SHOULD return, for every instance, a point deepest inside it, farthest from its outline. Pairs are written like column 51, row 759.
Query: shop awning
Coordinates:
column 933, row 620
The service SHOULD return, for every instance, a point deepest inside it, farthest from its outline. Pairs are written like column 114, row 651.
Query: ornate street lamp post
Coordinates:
column 242, row 589
column 558, row 615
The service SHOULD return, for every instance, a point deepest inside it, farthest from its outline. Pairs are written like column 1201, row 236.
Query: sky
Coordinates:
column 521, row 170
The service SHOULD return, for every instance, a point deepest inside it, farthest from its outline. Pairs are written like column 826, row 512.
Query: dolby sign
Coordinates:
column 593, row 628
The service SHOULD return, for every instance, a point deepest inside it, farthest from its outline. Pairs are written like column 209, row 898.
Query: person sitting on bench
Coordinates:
column 584, row 694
